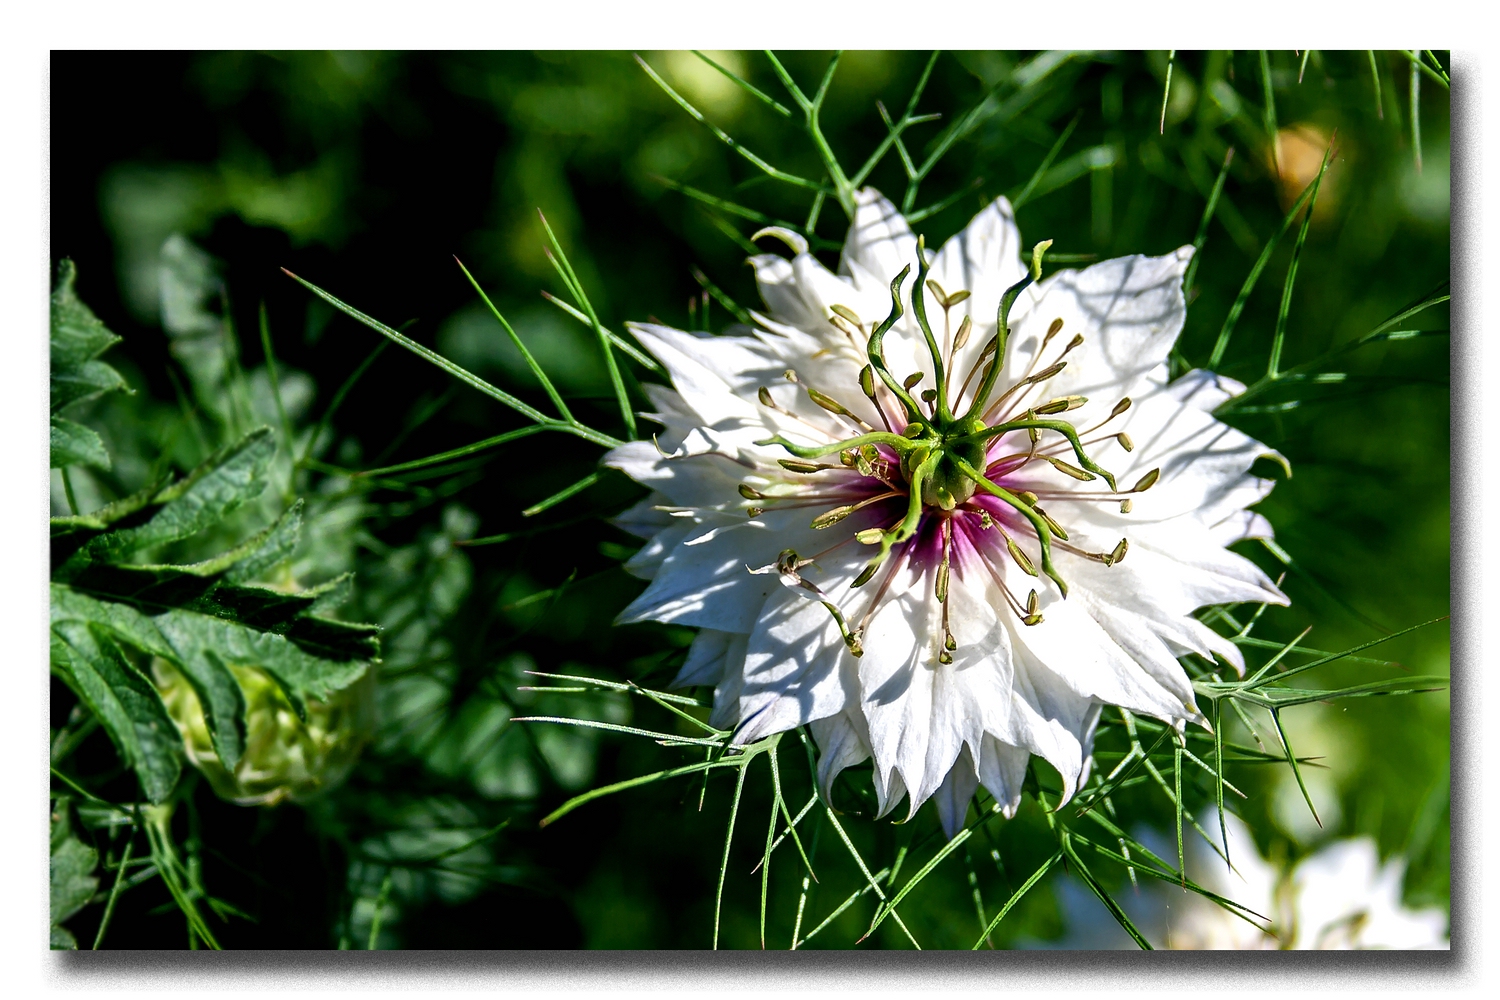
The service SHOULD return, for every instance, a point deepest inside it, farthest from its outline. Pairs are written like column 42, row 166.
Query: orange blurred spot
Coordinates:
column 1298, row 155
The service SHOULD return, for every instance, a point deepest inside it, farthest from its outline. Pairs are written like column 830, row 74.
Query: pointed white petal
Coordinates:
column 879, row 239
column 841, row 744
column 726, row 711
column 953, row 795
column 794, row 667
column 705, row 660
column 1002, row 769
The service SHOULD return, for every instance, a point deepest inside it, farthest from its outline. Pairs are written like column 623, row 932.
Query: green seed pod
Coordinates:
column 284, row 757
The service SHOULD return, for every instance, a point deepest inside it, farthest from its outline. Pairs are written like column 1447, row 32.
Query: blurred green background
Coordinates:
column 367, row 172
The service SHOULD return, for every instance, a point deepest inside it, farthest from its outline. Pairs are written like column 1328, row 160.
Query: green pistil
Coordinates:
column 919, row 308
column 941, row 455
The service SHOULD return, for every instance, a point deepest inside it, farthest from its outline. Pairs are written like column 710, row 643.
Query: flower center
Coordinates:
column 933, row 478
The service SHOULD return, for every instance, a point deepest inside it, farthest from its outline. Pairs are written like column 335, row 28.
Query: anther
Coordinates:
column 962, row 337
column 911, row 380
column 1125, row 441
column 985, row 521
column 865, row 575
column 1022, row 560
column 751, row 493
column 942, row 582
column 1032, row 615
column 928, row 395
column 844, row 326
column 1126, row 506
column 1052, row 331
column 869, row 536
column 1052, row 525
column 1029, row 497
column 867, row 381
column 792, row 465
column 1068, row 470
column 755, row 511
column 765, row 397
column 1119, row 552
column 1120, row 407
column 1062, row 404
column 829, row 518
column 1147, row 481
column 1074, row 344
column 848, row 314
column 828, row 402
column 790, row 375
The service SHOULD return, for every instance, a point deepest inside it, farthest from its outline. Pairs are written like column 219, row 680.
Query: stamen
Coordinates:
column 964, row 329
column 834, row 406
column 793, row 465
column 1033, row 617
column 848, row 314
column 1061, row 404
column 945, row 655
column 832, row 517
column 1066, row 469
column 1019, row 555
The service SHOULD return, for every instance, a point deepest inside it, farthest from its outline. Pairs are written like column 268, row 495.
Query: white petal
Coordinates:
column 793, row 667
column 706, row 580
column 1002, row 769
column 841, row 744
column 953, row 795
column 922, row 711
column 705, row 660
column 879, row 239
column 1129, row 311
column 726, row 709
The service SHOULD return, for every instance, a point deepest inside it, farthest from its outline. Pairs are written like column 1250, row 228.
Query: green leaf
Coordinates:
column 300, row 674
column 107, row 515
column 71, row 876
column 77, row 338
column 75, row 444
column 215, row 489
column 124, row 700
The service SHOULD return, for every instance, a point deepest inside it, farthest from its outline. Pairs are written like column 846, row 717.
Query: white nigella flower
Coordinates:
column 884, row 534
column 1340, row 897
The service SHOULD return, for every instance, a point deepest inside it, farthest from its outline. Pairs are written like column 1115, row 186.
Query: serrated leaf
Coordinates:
column 76, row 383
column 300, row 674
column 72, row 882
column 215, row 489
column 124, row 701
column 75, row 444
column 126, row 624
column 274, row 545
column 77, row 334
column 77, row 338
column 105, row 516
